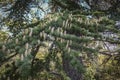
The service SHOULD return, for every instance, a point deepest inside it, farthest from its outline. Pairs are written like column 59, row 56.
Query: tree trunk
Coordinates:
column 70, row 71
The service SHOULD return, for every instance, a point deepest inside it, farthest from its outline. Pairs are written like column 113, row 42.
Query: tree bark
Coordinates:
column 69, row 70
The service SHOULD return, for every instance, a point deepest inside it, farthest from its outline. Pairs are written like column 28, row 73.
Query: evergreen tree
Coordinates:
column 68, row 33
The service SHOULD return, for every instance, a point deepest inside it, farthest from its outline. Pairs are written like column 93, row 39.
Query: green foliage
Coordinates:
column 109, row 70
column 3, row 36
column 70, row 38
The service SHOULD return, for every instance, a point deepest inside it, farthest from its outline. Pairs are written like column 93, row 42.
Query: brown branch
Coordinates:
column 7, row 59
column 110, row 53
column 34, row 53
